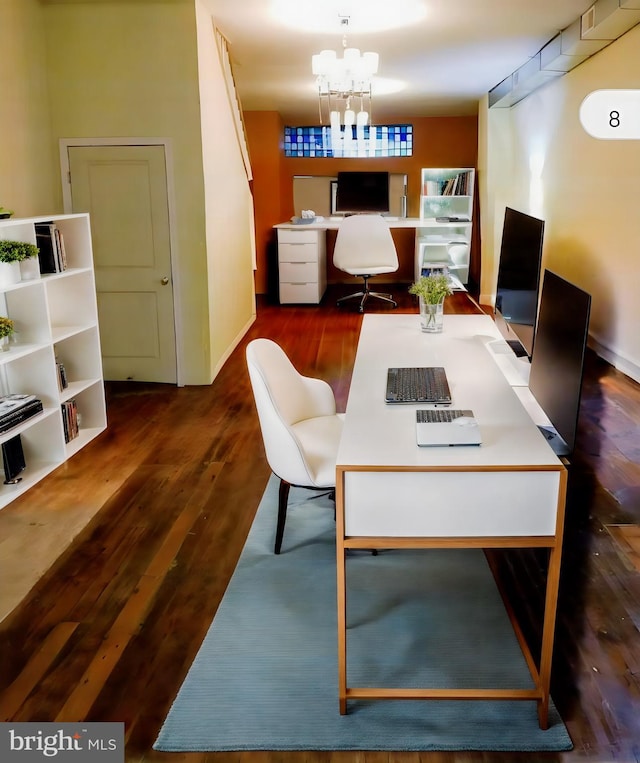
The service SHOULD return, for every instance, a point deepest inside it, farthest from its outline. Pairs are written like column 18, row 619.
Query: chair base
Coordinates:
column 283, row 498
column 364, row 295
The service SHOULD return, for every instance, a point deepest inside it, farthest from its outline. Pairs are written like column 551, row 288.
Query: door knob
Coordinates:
column 164, row 281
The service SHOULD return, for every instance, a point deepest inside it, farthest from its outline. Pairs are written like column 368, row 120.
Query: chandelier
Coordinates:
column 344, row 92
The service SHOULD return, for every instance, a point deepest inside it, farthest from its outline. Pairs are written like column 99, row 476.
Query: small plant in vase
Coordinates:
column 7, row 327
column 431, row 290
column 12, row 254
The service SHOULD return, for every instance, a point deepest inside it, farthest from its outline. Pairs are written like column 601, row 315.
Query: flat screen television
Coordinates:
column 519, row 280
column 557, row 363
column 362, row 192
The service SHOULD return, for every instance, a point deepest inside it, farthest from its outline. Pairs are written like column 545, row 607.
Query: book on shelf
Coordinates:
column 16, row 408
column 50, row 241
column 457, row 185
column 70, row 420
column 62, row 376
column 13, row 460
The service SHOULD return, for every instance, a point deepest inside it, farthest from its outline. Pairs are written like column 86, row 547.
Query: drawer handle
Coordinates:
column 298, row 283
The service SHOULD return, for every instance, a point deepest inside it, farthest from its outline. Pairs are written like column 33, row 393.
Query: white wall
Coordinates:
column 586, row 190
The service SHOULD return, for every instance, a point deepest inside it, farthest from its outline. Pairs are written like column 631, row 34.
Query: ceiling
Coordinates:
column 443, row 62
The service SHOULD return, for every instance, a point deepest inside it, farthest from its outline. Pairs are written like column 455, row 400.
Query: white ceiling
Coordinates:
column 445, row 61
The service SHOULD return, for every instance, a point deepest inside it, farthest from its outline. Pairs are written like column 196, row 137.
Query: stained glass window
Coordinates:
column 355, row 141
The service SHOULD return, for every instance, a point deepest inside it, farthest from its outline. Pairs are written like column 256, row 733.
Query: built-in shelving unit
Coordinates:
column 445, row 193
column 56, row 326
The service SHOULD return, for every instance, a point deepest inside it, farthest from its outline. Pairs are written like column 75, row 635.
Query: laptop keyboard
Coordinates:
column 406, row 385
column 437, row 415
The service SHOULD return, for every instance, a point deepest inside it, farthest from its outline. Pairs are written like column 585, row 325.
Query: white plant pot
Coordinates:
column 9, row 273
column 30, row 269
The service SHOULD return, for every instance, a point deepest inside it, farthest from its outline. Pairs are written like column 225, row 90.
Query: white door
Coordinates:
column 124, row 189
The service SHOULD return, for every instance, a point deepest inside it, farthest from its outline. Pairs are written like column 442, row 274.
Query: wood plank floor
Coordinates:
column 110, row 631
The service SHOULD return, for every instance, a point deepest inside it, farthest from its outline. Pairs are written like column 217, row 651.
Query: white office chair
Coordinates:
column 299, row 424
column 364, row 247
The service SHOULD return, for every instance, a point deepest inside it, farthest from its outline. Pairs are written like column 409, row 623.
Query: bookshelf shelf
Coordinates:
column 56, row 323
column 445, row 192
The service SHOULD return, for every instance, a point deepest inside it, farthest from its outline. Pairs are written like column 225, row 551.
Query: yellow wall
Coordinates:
column 131, row 70
column 228, row 204
column 29, row 175
column 586, row 190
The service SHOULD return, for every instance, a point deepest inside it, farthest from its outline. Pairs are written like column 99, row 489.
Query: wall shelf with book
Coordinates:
column 443, row 238
column 53, row 356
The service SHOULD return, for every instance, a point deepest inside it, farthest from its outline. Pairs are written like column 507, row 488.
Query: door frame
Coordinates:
column 66, row 143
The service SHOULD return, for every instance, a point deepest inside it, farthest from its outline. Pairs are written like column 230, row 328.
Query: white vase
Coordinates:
column 431, row 316
column 4, row 343
column 30, row 269
column 9, row 273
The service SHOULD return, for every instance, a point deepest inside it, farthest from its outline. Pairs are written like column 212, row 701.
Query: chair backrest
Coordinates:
column 364, row 241
column 283, row 398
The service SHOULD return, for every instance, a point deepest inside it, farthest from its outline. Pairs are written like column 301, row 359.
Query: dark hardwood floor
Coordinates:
column 110, row 631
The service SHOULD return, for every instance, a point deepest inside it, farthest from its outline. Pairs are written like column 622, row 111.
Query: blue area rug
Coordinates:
column 265, row 677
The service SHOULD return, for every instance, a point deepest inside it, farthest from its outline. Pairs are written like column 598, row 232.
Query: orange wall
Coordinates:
column 437, row 142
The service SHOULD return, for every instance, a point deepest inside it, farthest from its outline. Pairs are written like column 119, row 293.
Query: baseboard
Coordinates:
column 232, row 346
column 623, row 364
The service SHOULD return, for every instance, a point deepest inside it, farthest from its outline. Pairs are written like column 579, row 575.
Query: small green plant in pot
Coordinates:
column 18, row 261
column 7, row 327
column 431, row 290
column 17, row 251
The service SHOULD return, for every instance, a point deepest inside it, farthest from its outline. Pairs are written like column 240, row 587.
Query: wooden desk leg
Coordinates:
column 342, row 594
column 548, row 630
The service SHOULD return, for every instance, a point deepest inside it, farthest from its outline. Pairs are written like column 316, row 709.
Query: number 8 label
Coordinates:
column 611, row 114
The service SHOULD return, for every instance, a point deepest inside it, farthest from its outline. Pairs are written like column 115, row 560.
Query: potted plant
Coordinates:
column 7, row 327
column 431, row 291
column 12, row 254
column 5, row 213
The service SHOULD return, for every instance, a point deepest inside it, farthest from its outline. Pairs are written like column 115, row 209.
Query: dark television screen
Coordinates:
column 519, row 279
column 362, row 192
column 557, row 362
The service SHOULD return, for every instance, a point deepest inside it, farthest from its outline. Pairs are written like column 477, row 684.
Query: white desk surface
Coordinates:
column 377, row 434
column 333, row 223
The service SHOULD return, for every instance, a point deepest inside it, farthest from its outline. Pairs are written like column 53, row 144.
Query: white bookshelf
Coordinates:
column 445, row 192
column 56, row 320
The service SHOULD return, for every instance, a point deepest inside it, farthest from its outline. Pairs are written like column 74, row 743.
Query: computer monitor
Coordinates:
column 362, row 192
column 557, row 362
column 519, row 279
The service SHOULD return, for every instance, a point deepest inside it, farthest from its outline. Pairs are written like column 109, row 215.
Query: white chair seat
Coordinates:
column 371, row 271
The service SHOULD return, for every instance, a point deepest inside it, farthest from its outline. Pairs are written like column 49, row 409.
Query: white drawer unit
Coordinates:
column 302, row 266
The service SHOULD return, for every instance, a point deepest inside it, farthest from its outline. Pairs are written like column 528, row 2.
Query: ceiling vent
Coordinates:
column 609, row 19
column 604, row 22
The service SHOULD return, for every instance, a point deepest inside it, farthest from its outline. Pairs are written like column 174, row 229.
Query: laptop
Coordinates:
column 446, row 426
column 418, row 385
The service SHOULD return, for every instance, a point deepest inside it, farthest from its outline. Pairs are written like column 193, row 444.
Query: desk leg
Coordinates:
column 342, row 594
column 548, row 630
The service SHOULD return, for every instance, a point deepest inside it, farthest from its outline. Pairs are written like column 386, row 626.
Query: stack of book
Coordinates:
column 50, row 242
column 14, row 409
column 70, row 420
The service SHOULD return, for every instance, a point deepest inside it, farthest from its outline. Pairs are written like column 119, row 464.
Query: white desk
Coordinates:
column 507, row 493
column 302, row 255
column 333, row 223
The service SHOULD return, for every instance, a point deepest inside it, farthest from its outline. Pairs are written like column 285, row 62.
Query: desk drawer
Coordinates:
column 287, row 236
column 298, row 252
column 298, row 272
column 294, row 293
